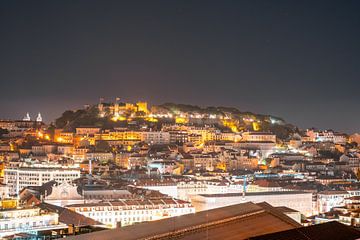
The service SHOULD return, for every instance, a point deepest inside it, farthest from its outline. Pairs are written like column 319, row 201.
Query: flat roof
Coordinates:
column 253, row 194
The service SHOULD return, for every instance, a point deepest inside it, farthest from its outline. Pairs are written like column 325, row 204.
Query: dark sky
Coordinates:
column 295, row 59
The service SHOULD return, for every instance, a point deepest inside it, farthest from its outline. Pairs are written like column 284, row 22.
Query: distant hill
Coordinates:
column 223, row 117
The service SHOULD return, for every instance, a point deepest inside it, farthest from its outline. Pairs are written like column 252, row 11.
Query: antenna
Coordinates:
column 244, row 188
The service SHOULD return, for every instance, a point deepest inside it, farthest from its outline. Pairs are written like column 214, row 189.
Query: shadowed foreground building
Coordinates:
column 239, row 221
column 330, row 230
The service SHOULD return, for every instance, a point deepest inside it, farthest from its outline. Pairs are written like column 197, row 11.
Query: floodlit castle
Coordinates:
column 118, row 109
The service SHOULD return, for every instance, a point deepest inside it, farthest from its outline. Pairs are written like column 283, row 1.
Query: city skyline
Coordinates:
column 179, row 119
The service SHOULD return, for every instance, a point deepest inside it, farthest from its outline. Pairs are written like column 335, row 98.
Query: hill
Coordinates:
column 226, row 118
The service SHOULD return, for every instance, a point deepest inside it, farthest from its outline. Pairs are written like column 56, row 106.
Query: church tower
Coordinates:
column 27, row 117
column 39, row 118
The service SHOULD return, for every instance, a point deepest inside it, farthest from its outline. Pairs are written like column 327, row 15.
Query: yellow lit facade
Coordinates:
column 63, row 137
column 8, row 203
column 130, row 107
column 119, row 135
column 2, row 167
column 256, row 126
column 118, row 118
column 142, row 107
column 151, row 119
column 181, row 120
column 221, row 166
column 232, row 124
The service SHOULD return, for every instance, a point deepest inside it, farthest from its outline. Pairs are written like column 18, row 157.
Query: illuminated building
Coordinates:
column 151, row 119
column 39, row 118
column 326, row 200
column 256, row 126
column 27, row 117
column 300, row 201
column 239, row 159
column 8, row 203
column 130, row 107
column 326, row 136
column 87, row 130
column 117, row 118
column 36, row 175
column 119, row 111
column 163, row 166
column 352, row 160
column 258, row 137
column 17, row 128
column 43, row 149
column 4, row 190
column 195, row 138
column 232, row 124
column 119, row 135
column 66, row 149
column 155, row 137
column 205, row 162
column 127, row 212
column 355, row 138
column 178, row 137
column 207, row 133
column 31, row 220
column 234, row 137
column 61, row 194
column 63, row 137
column 181, row 120
column 136, row 160
column 122, row 159
column 142, row 107
column 99, row 156
column 241, row 221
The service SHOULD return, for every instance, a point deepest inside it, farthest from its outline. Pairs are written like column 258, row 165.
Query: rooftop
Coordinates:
column 239, row 221
column 253, row 194
column 330, row 230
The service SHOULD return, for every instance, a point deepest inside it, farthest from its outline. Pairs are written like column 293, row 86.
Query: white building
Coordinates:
column 99, row 156
column 18, row 178
column 299, row 201
column 326, row 200
column 30, row 220
column 258, row 137
column 66, row 149
column 158, row 137
column 127, row 212
column 326, row 136
column 64, row 194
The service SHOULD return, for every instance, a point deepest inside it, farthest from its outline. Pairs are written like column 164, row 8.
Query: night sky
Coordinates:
column 299, row 60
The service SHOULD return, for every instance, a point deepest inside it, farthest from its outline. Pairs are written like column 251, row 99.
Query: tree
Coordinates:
column 102, row 146
column 3, row 132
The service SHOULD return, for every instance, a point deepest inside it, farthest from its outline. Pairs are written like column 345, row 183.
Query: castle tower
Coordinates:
column 142, row 107
column 116, row 107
